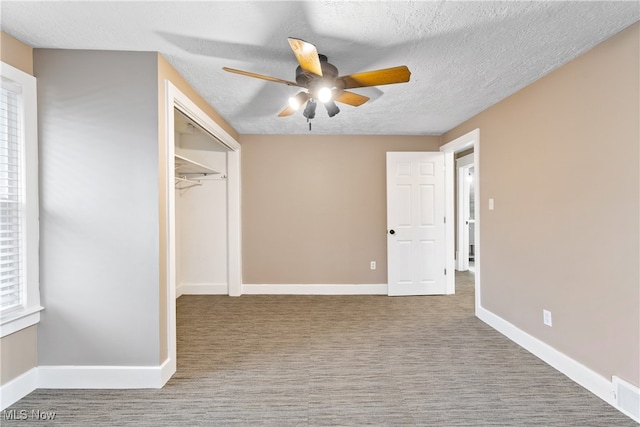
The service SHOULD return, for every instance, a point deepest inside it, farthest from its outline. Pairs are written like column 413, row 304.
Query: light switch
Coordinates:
column 490, row 204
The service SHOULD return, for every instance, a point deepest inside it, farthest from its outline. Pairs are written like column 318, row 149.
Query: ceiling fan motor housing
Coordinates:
column 308, row 79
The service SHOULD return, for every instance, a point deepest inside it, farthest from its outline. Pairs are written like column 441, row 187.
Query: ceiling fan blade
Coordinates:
column 351, row 98
column 301, row 98
column 260, row 76
column 287, row 112
column 386, row 76
column 307, row 56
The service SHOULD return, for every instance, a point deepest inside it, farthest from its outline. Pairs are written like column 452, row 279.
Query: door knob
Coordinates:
column 392, row 232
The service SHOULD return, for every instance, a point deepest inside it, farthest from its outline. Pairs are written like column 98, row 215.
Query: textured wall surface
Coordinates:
column 464, row 56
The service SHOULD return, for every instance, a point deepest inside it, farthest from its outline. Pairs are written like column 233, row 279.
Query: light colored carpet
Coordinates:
column 339, row 360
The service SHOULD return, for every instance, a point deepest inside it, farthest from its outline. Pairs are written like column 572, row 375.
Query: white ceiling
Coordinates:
column 464, row 56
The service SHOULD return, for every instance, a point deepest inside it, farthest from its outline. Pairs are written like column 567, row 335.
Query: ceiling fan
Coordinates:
column 322, row 84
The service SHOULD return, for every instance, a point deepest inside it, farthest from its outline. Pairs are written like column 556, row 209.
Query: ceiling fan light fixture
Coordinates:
column 324, row 94
column 310, row 110
column 332, row 108
column 295, row 102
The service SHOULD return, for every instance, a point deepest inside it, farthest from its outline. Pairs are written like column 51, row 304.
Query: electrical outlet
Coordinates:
column 373, row 265
column 546, row 317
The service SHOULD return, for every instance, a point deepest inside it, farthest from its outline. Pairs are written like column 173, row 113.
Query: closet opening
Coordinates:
column 200, row 166
column 200, row 237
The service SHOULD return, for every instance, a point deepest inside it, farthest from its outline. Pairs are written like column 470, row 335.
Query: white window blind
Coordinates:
column 11, row 199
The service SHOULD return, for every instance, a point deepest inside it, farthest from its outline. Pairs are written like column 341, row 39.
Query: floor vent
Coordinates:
column 627, row 398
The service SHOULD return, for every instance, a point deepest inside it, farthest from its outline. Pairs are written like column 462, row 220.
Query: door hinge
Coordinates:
column 445, row 271
column 445, row 219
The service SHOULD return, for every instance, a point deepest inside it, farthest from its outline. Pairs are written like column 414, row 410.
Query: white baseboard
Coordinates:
column 94, row 377
column 167, row 369
column 579, row 373
column 120, row 377
column 314, row 289
column 18, row 388
column 202, row 289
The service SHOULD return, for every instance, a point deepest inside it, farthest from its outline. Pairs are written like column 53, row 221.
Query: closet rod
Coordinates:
column 213, row 178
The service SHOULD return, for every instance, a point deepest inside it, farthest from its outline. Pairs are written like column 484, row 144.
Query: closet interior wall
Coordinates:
column 201, row 213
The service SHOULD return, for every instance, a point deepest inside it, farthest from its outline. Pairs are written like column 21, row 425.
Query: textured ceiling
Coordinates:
column 464, row 56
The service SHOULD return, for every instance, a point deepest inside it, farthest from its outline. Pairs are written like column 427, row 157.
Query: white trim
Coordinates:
column 462, row 143
column 449, row 230
column 170, row 231
column 468, row 140
column 167, row 369
column 315, row 289
column 465, row 160
column 102, row 377
column 202, row 289
column 77, row 377
column 234, row 225
column 576, row 371
column 20, row 319
column 18, row 388
column 177, row 99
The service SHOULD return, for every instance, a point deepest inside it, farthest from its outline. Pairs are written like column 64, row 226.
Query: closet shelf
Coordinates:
column 186, row 166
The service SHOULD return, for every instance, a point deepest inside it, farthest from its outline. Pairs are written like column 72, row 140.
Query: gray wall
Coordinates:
column 98, row 135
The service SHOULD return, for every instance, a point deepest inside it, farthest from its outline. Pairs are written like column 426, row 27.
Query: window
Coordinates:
column 19, row 276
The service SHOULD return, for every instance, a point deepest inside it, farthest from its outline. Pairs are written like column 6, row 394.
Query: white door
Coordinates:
column 416, row 223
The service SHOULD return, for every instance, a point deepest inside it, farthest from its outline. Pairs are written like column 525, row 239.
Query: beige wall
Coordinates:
column 16, row 53
column 167, row 72
column 560, row 158
column 314, row 207
column 18, row 351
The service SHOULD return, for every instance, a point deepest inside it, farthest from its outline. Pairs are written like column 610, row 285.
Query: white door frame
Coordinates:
column 466, row 141
column 176, row 99
column 463, row 164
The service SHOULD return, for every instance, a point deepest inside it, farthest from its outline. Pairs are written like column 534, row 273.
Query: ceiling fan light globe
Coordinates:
column 332, row 108
column 324, row 94
column 293, row 103
column 298, row 101
column 310, row 110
